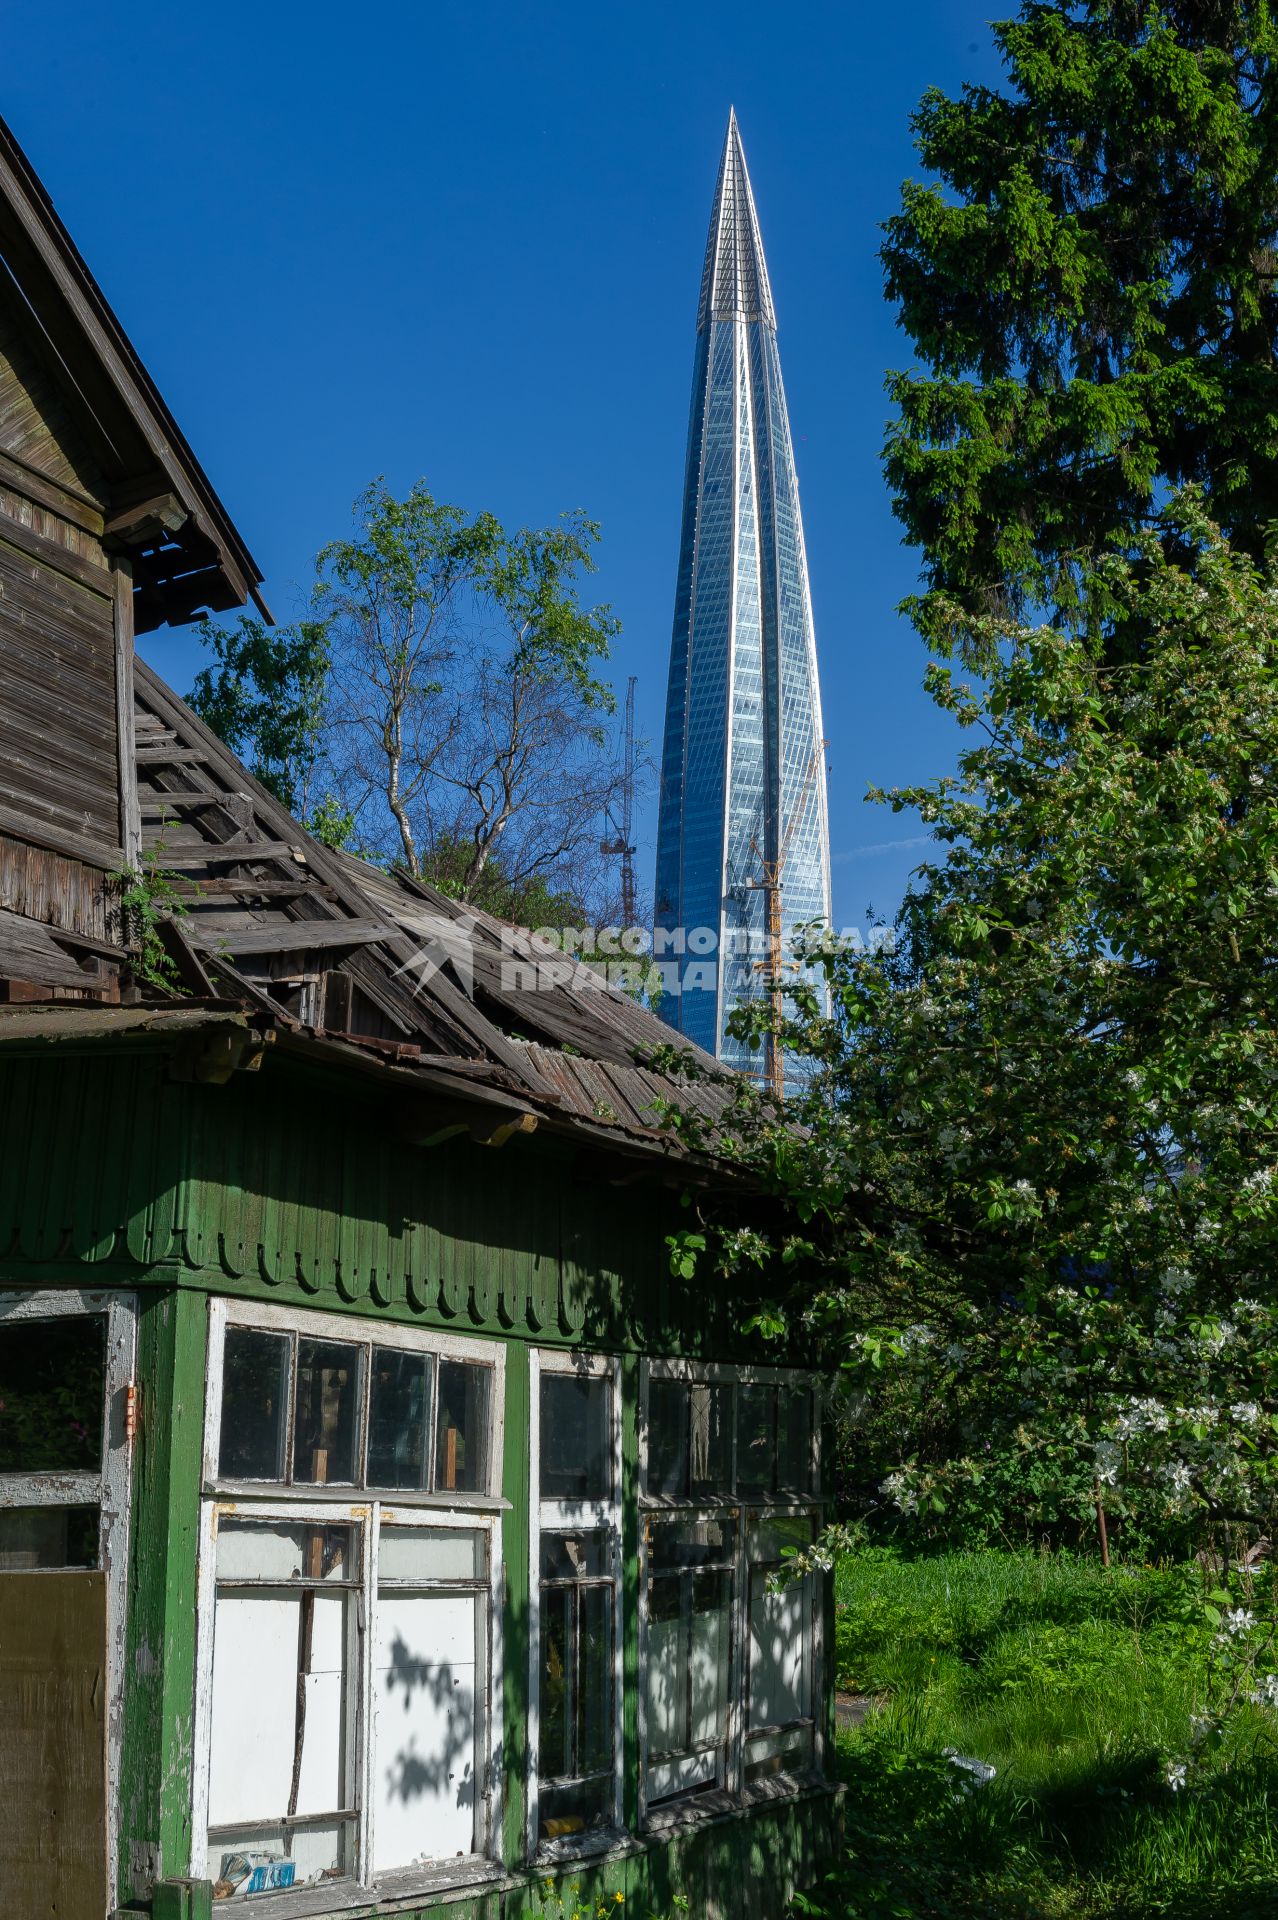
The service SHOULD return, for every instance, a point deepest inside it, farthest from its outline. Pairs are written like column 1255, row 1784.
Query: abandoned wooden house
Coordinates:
column 382, row 1528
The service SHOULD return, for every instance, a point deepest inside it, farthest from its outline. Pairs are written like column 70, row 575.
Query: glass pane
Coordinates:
column 757, row 1440
column 263, row 1859
column 279, row 1553
column 675, row 1544
column 254, row 1395
column 575, row 1556
column 770, row 1539
column 668, row 1439
column 398, row 1418
column 576, row 1450
column 431, row 1553
column 32, row 1537
column 710, row 1438
column 769, row 1753
column 556, row 1679
column 461, row 1435
column 594, row 1686
column 794, row 1440
column 324, row 1415
column 582, row 1808
column 52, row 1374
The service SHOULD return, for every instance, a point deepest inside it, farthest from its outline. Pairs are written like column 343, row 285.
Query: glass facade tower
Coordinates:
column 743, row 793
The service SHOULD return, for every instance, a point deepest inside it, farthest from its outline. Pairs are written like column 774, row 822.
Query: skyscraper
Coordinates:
column 743, row 836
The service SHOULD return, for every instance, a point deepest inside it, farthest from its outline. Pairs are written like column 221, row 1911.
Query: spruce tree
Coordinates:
column 1089, row 282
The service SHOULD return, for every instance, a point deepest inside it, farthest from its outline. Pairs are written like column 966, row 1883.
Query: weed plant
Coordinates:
column 1078, row 1685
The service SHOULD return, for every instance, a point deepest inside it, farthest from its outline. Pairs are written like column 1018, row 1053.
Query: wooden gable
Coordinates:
column 108, row 526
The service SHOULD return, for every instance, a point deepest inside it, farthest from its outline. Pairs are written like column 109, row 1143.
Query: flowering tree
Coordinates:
column 1030, row 1200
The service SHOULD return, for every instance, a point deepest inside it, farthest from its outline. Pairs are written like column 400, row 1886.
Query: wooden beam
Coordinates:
column 162, row 514
column 288, row 936
column 165, row 756
column 130, row 814
column 156, row 800
column 182, row 859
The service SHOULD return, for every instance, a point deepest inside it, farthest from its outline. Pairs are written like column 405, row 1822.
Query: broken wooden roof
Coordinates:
column 332, row 946
column 107, row 523
column 351, row 964
column 73, row 384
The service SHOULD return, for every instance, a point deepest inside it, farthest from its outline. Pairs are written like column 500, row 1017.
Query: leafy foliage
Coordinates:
column 1033, row 1183
column 1088, row 278
column 466, row 708
column 265, row 697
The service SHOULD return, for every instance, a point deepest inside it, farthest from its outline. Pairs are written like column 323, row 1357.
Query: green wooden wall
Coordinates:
column 294, row 1188
column 291, row 1187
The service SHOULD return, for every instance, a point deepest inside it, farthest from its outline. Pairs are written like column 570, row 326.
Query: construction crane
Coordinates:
column 770, row 885
column 620, row 843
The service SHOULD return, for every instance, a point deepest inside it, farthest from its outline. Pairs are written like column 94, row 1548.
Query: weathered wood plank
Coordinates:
column 52, row 554
column 53, row 1693
column 218, row 852
column 287, row 936
column 130, row 810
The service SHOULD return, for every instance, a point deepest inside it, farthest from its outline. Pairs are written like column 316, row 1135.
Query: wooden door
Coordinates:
column 53, row 1693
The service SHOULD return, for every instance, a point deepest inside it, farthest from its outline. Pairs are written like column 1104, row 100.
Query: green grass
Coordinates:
column 1078, row 1685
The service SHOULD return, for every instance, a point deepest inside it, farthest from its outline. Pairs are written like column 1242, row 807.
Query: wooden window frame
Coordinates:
column 356, row 1330
column 574, row 1516
column 109, row 1490
column 748, row 1510
column 369, row 1509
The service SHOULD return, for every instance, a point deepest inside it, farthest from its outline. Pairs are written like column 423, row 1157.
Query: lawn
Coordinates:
column 1079, row 1686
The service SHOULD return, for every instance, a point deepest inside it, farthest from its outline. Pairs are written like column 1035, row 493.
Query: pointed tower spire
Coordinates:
column 743, row 842
column 734, row 284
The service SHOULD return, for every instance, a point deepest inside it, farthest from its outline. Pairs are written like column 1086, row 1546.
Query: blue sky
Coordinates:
column 465, row 243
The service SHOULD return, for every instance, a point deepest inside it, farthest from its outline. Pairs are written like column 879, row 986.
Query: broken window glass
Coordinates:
column 47, row 1537
column 52, row 1374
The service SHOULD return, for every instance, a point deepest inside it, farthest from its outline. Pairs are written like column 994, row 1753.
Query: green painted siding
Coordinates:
column 285, row 1187
column 279, row 1187
column 159, row 1691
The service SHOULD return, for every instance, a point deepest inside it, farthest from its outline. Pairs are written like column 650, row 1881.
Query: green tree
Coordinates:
column 266, row 695
column 1035, row 1181
column 1090, row 282
column 466, row 705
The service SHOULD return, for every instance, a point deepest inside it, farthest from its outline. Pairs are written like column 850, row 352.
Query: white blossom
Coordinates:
column 1239, row 1620
column 1176, row 1773
column 1266, row 1694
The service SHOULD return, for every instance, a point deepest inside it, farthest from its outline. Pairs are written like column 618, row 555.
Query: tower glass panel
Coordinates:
column 743, row 792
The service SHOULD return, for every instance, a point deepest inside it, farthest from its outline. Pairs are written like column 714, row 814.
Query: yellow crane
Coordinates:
column 770, row 885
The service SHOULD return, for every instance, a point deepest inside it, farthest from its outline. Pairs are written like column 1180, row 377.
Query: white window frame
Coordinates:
column 108, row 1490
column 371, row 1510
column 563, row 1516
column 746, row 1510
column 337, row 1328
